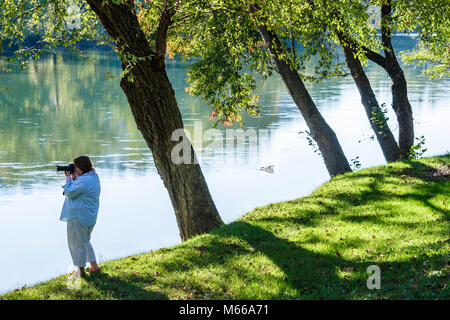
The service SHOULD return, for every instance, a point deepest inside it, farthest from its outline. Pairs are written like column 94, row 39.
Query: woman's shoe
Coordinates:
column 91, row 271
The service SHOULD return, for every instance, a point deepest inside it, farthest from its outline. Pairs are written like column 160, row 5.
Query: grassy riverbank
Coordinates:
column 315, row 247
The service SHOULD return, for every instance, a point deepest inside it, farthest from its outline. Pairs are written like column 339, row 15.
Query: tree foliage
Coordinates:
column 226, row 50
column 51, row 23
column 229, row 57
column 221, row 38
column 430, row 19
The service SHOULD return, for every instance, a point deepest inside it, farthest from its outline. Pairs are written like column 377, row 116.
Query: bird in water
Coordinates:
column 268, row 169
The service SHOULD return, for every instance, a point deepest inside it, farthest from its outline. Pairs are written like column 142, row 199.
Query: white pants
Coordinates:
column 78, row 237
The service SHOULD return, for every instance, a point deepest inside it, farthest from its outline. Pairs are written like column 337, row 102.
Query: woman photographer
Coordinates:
column 82, row 191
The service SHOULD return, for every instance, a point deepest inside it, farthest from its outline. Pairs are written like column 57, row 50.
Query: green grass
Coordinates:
column 316, row 247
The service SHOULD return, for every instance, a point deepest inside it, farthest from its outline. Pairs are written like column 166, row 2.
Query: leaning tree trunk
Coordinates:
column 155, row 110
column 376, row 117
column 400, row 102
column 320, row 131
column 402, row 107
column 157, row 116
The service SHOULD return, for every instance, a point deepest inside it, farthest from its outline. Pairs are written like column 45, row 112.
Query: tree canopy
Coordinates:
column 51, row 24
column 229, row 56
column 199, row 26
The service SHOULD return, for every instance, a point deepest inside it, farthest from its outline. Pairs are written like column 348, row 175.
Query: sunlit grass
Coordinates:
column 316, row 247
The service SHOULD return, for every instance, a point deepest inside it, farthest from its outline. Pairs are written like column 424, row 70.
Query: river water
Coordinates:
column 62, row 107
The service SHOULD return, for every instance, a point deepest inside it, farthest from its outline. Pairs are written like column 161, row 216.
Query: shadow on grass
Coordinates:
column 369, row 189
column 91, row 287
column 129, row 289
column 316, row 275
column 305, row 274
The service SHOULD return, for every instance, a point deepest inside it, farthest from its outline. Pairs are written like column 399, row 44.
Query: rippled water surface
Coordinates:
column 62, row 107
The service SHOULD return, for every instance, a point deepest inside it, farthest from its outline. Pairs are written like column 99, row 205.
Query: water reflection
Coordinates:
column 62, row 107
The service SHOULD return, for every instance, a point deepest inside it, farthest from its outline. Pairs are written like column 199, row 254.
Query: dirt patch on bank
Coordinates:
column 439, row 173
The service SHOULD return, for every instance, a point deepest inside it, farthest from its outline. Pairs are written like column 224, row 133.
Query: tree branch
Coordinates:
column 386, row 29
column 165, row 21
column 346, row 40
column 374, row 57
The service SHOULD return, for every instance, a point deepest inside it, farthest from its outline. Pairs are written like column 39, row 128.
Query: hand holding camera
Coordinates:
column 69, row 170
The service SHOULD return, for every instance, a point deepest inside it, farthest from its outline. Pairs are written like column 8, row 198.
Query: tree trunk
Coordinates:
column 376, row 117
column 400, row 101
column 157, row 116
column 402, row 109
column 320, row 131
column 155, row 110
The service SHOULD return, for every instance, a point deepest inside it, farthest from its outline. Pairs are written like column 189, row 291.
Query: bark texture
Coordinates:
column 155, row 110
column 400, row 101
column 390, row 64
column 374, row 113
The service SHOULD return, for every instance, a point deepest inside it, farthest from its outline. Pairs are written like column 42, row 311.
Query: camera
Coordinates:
column 70, row 168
